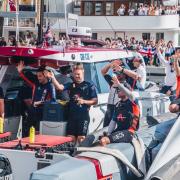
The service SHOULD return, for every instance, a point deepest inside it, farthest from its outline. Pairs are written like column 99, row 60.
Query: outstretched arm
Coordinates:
column 58, row 86
column 121, row 87
column 176, row 65
column 20, row 68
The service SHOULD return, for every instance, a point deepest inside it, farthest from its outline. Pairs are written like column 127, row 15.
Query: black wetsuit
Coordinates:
column 126, row 116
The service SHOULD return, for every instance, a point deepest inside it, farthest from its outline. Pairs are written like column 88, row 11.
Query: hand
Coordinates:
column 115, row 81
column 116, row 62
column 104, row 141
column 80, row 101
column 117, row 68
column 37, row 103
column 49, row 74
column 20, row 66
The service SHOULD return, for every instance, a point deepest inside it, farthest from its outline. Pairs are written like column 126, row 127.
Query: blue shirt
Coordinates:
column 84, row 90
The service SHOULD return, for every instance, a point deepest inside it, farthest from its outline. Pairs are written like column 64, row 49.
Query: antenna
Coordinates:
column 40, row 17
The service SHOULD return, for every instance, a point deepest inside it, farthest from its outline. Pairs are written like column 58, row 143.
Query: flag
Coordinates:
column 48, row 37
column 147, row 51
column 48, row 33
column 12, row 5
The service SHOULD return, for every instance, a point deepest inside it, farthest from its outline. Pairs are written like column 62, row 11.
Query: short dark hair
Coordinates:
column 65, row 69
column 41, row 68
column 78, row 66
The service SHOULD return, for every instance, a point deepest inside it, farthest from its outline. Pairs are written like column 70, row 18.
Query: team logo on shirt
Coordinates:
column 121, row 118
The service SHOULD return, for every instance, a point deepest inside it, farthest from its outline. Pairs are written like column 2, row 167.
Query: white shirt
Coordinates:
column 141, row 12
column 141, row 71
column 121, row 11
column 170, row 78
column 113, row 96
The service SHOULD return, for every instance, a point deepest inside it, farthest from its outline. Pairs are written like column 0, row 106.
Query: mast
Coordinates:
column 17, row 21
column 40, row 17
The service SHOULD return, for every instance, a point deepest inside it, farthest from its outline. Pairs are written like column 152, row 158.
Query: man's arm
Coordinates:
column 105, row 69
column 111, row 127
column 120, row 86
column 20, row 68
column 160, row 56
column 90, row 102
column 58, row 86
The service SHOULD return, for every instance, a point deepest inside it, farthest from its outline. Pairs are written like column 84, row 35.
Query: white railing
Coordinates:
column 130, row 22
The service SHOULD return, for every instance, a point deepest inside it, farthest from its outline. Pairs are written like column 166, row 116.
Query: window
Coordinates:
column 98, row 9
column 94, row 35
column 159, row 36
column 109, row 8
column 146, row 36
column 88, row 8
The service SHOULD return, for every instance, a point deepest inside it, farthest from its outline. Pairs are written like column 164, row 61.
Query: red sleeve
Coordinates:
column 135, row 122
column 178, row 86
column 30, row 83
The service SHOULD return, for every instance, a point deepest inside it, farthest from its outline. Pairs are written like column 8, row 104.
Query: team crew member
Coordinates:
column 137, row 77
column 1, row 103
column 175, row 105
column 126, row 117
column 113, row 98
column 82, row 95
column 43, row 90
column 170, row 78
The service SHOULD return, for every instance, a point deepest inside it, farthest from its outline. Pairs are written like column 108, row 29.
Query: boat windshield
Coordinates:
column 93, row 74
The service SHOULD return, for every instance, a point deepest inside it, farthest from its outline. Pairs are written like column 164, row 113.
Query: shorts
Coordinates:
column 78, row 125
column 123, row 136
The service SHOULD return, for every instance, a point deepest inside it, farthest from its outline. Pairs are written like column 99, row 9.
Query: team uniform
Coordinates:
column 78, row 116
column 40, row 92
column 126, row 117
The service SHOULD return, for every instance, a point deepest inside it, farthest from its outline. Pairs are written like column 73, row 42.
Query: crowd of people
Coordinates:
column 147, row 10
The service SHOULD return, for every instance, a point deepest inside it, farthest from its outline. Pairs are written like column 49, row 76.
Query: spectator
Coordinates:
column 170, row 78
column 141, row 11
column 121, row 10
column 131, row 11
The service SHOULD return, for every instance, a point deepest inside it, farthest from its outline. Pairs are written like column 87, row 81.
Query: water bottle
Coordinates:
column 1, row 125
column 32, row 135
column 44, row 95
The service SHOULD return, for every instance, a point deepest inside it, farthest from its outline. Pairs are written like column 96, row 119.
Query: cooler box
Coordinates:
column 53, row 128
column 53, row 111
column 40, row 141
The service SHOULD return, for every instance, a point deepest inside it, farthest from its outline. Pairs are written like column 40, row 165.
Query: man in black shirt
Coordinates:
column 1, row 103
column 82, row 96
